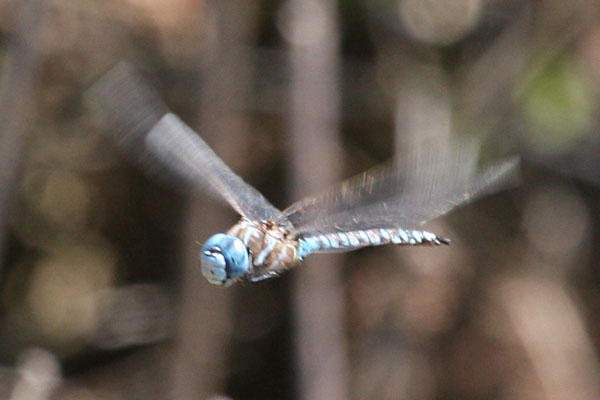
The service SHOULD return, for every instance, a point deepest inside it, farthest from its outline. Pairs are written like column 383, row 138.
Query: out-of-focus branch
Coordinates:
column 38, row 376
column 552, row 332
column 311, row 28
column 15, row 100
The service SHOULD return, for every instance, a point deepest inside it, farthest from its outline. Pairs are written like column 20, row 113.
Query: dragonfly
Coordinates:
column 385, row 205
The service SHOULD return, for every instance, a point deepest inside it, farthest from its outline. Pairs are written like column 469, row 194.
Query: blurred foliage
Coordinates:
column 558, row 104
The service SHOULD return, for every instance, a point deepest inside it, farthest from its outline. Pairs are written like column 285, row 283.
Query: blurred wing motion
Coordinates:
column 415, row 187
column 166, row 146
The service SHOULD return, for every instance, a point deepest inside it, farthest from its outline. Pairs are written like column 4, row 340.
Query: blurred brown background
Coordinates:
column 101, row 291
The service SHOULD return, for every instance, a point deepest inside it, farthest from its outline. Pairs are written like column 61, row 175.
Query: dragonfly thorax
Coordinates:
column 224, row 259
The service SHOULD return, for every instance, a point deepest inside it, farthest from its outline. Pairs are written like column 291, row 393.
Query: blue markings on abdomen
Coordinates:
column 348, row 241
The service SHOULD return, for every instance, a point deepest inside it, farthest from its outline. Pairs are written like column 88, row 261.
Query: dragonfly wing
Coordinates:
column 147, row 131
column 404, row 193
column 392, row 214
column 179, row 148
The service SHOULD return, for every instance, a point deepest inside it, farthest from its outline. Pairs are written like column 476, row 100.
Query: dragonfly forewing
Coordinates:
column 167, row 147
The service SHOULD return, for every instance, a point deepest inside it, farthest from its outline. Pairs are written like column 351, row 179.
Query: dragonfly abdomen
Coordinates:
column 346, row 241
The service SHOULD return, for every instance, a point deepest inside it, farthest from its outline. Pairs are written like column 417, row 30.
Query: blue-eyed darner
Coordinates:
column 385, row 205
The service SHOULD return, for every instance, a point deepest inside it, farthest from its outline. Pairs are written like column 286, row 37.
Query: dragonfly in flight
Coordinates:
column 385, row 205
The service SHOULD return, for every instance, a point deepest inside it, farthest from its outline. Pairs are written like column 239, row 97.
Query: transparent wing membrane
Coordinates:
column 182, row 150
column 167, row 147
column 407, row 192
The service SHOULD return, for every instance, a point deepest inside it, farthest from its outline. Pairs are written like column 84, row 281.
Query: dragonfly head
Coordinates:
column 224, row 259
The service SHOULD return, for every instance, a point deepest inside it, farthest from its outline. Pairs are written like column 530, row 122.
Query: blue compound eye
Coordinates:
column 224, row 259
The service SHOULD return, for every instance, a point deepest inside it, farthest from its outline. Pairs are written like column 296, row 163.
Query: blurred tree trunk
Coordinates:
column 312, row 31
column 16, row 100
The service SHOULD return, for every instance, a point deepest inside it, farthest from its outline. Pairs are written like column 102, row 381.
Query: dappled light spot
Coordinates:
column 61, row 293
column 438, row 21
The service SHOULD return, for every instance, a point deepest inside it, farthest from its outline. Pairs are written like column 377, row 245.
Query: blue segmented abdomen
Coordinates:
column 347, row 241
